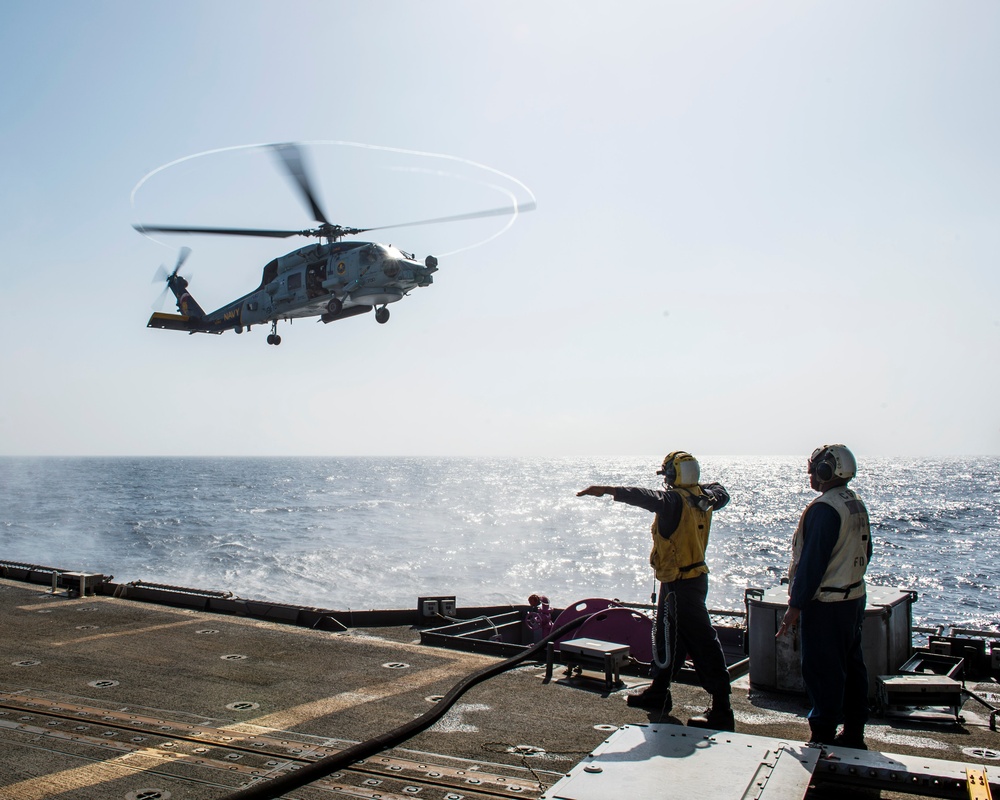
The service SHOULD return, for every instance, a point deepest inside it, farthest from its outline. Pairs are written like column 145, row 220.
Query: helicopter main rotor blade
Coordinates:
column 328, row 230
column 291, row 158
column 223, row 231
column 492, row 212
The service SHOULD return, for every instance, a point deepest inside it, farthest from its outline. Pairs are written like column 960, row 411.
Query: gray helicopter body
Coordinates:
column 331, row 281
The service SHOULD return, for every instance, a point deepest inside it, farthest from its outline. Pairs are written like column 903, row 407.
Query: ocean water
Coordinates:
column 360, row 533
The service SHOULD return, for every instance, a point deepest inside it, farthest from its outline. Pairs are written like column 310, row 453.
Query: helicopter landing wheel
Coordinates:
column 335, row 306
column 273, row 338
column 382, row 315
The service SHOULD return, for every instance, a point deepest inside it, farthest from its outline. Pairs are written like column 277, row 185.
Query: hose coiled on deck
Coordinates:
column 267, row 789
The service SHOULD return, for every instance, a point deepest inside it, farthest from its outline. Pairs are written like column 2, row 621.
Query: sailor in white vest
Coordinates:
column 831, row 549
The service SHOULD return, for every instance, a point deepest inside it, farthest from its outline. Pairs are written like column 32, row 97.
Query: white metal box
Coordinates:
column 774, row 663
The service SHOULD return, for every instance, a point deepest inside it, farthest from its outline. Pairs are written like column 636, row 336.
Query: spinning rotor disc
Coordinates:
column 291, row 158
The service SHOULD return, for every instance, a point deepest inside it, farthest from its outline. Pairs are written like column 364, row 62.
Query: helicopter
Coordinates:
column 334, row 280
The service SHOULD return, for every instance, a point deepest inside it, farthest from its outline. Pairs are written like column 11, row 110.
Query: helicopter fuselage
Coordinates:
column 332, row 281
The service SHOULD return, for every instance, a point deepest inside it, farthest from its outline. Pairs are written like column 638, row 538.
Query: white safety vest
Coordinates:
column 844, row 577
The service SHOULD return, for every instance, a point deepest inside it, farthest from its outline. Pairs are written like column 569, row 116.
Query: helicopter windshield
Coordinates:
column 395, row 253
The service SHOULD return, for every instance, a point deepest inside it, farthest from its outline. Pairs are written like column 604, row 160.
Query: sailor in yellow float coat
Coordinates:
column 680, row 531
column 681, row 554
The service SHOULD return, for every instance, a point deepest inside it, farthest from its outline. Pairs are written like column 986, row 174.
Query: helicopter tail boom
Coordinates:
column 178, row 322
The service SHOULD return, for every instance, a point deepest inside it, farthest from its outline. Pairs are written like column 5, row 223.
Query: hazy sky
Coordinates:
column 760, row 227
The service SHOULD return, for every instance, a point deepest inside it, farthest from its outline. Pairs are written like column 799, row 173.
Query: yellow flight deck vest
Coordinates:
column 844, row 578
column 682, row 555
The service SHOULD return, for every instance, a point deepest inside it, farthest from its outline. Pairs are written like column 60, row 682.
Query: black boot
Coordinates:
column 822, row 733
column 719, row 716
column 655, row 697
column 852, row 736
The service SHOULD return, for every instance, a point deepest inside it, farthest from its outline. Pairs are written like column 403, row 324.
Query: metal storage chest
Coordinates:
column 774, row 663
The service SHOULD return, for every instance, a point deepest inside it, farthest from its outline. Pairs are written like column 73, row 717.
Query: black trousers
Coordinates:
column 833, row 664
column 690, row 634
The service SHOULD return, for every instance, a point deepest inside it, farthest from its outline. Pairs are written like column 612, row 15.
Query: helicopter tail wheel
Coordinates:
column 382, row 315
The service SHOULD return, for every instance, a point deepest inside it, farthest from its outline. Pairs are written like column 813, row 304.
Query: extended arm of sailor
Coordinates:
column 666, row 505
column 654, row 500
column 650, row 499
column 596, row 491
column 644, row 498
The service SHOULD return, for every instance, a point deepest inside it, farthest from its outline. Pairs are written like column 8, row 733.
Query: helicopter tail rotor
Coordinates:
column 161, row 273
column 162, row 276
column 182, row 256
column 177, row 284
column 160, row 299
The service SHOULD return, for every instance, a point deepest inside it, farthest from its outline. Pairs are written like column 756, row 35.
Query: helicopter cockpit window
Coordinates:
column 294, row 281
column 270, row 272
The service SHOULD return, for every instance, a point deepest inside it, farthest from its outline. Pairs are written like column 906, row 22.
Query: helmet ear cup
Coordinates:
column 824, row 469
column 832, row 461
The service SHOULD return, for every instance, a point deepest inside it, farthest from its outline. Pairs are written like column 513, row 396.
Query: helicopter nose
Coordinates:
column 390, row 267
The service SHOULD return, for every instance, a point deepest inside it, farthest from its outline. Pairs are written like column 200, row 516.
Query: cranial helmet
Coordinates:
column 832, row 461
column 680, row 469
